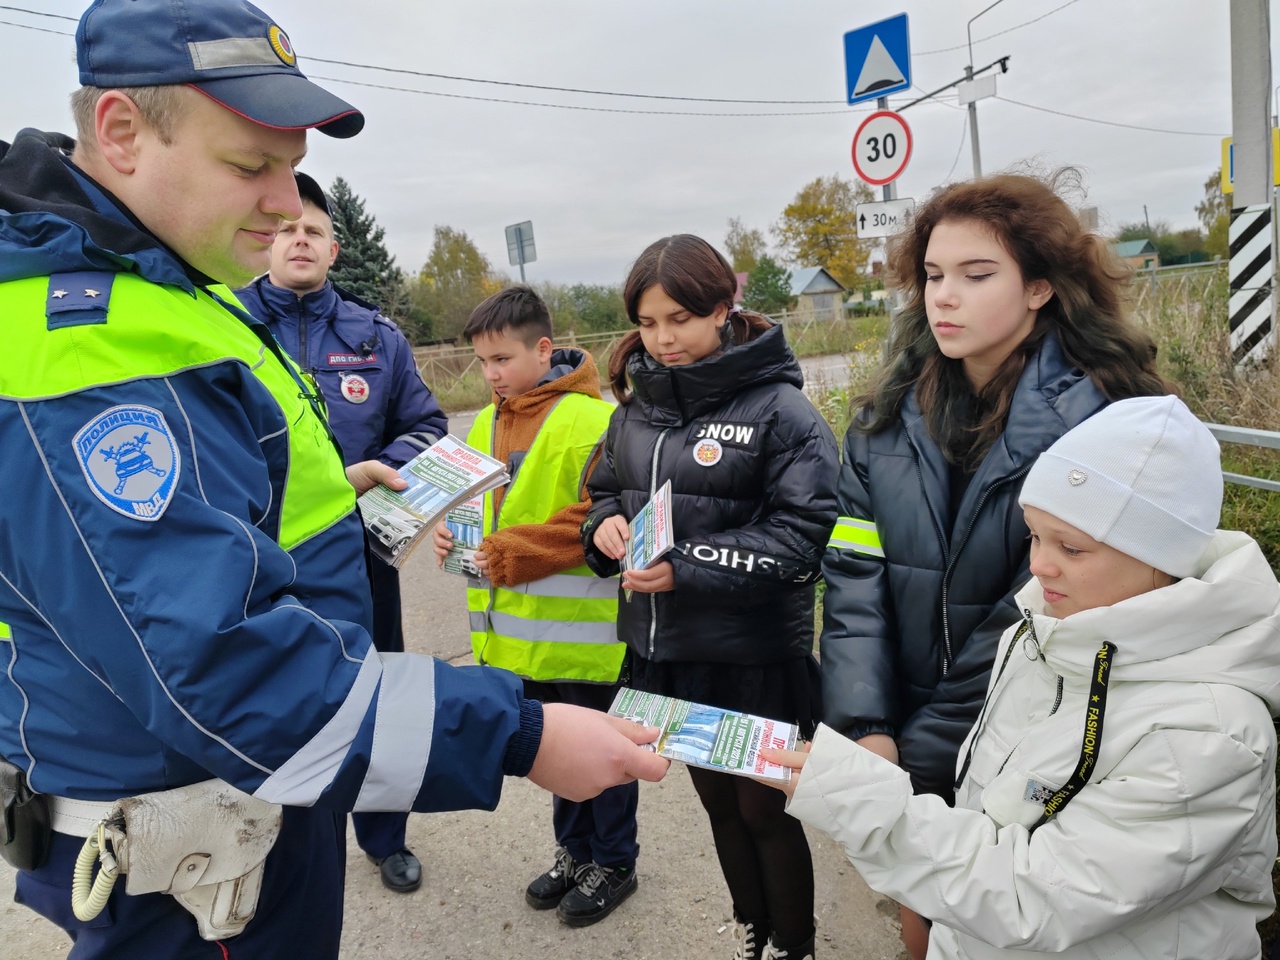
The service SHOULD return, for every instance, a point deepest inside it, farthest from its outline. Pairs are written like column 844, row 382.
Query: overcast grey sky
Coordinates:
column 600, row 186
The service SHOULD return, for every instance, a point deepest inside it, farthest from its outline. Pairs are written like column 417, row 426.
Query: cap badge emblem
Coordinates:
column 281, row 45
column 1077, row 477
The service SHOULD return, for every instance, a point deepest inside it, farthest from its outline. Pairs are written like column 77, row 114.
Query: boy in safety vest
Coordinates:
column 540, row 612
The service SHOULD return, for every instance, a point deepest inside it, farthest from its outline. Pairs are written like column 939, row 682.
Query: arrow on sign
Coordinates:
column 862, row 221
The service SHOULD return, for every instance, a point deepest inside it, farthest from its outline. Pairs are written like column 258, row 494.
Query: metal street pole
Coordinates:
column 882, row 103
column 973, row 105
column 1250, row 91
column 973, row 126
column 1251, row 235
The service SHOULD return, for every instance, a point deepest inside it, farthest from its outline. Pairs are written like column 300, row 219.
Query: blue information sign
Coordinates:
column 877, row 59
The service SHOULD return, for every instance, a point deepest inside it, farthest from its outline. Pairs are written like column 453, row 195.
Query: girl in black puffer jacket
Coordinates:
column 710, row 400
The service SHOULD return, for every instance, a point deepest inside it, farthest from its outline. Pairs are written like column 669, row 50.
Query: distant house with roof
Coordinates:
column 817, row 294
column 1139, row 254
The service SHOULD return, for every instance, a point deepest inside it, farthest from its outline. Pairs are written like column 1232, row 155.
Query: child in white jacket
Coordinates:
column 1116, row 797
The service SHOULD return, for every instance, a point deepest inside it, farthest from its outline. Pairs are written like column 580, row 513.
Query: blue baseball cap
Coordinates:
column 229, row 50
column 308, row 189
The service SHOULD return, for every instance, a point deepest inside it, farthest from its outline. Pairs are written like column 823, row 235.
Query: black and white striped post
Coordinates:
column 1251, row 309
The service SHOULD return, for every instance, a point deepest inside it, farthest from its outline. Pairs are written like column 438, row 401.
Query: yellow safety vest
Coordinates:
column 137, row 342
column 562, row 627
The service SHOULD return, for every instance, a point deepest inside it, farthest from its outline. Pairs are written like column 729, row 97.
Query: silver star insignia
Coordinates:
column 59, row 294
column 90, row 292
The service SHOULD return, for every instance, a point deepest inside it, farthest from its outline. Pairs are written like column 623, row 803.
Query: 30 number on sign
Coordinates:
column 881, row 148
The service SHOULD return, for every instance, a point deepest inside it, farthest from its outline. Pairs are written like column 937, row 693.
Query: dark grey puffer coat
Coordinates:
column 908, row 639
column 753, row 468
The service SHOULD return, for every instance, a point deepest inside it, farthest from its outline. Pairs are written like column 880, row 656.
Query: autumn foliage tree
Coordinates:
column 454, row 279
column 819, row 228
column 745, row 246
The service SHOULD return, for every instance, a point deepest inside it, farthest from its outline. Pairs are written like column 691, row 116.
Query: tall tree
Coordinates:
column 768, row 288
column 454, row 279
column 364, row 265
column 1214, row 212
column 599, row 307
column 745, row 246
column 819, row 228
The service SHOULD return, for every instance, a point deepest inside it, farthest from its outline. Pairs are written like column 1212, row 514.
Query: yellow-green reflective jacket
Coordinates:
column 562, row 627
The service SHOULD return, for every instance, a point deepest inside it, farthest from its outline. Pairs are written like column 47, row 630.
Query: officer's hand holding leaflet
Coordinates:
column 585, row 751
column 367, row 474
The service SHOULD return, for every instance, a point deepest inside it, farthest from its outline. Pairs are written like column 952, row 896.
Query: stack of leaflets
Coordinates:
column 710, row 737
column 445, row 475
column 651, row 535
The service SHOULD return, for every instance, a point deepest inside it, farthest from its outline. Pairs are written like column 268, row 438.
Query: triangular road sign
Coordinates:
column 879, row 71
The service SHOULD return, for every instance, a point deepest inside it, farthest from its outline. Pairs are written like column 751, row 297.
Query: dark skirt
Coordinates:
column 790, row 691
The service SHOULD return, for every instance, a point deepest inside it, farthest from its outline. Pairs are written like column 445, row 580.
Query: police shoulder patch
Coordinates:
column 130, row 460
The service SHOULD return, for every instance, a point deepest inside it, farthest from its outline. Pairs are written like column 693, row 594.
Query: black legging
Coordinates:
column 763, row 853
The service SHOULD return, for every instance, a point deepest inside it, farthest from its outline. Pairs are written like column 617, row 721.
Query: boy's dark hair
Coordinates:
column 517, row 312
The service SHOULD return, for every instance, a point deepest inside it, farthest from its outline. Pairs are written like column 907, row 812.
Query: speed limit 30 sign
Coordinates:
column 881, row 147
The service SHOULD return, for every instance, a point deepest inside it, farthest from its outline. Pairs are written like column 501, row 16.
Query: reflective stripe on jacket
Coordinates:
column 561, row 627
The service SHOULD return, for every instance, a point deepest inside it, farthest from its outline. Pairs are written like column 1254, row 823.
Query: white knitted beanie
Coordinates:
column 1142, row 475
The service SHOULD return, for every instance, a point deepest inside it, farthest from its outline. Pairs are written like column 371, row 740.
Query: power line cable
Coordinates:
column 39, row 13
column 557, row 89
column 570, row 106
column 27, row 26
column 1111, row 123
column 964, row 133
column 457, row 96
column 1001, row 33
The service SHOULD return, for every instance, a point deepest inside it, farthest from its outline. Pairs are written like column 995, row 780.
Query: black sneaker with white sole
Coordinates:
column 597, row 894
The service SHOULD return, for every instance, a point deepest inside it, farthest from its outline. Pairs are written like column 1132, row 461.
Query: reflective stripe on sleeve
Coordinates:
column 301, row 779
column 858, row 535
column 402, row 736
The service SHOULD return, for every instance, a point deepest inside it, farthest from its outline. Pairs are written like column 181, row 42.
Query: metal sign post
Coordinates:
column 520, row 248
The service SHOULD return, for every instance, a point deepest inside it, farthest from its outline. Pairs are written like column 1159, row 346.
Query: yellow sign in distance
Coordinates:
column 1228, row 166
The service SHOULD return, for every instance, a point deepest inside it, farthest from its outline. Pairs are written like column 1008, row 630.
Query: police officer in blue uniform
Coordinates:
column 379, row 409
column 183, row 596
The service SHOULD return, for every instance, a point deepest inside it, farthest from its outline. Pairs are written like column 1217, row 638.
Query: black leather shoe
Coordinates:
column 400, row 872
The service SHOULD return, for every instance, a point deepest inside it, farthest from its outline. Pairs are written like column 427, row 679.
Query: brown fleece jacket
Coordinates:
column 531, row 551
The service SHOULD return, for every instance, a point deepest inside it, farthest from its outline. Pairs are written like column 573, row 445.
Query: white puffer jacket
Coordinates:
column 1165, row 853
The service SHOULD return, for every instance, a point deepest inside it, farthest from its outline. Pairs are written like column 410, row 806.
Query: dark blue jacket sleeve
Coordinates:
column 414, row 418
column 859, row 676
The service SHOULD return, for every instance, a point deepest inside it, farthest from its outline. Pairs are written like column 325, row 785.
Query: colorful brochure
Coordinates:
column 465, row 522
column 710, row 737
column 651, row 535
column 445, row 475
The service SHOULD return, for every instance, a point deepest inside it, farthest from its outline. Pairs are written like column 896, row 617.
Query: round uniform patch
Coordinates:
column 130, row 460
column 355, row 388
column 708, row 453
column 281, row 45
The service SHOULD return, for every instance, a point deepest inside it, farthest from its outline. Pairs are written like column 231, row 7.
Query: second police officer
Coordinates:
column 379, row 409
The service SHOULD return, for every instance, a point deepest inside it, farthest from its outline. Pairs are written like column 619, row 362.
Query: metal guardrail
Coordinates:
column 1249, row 437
